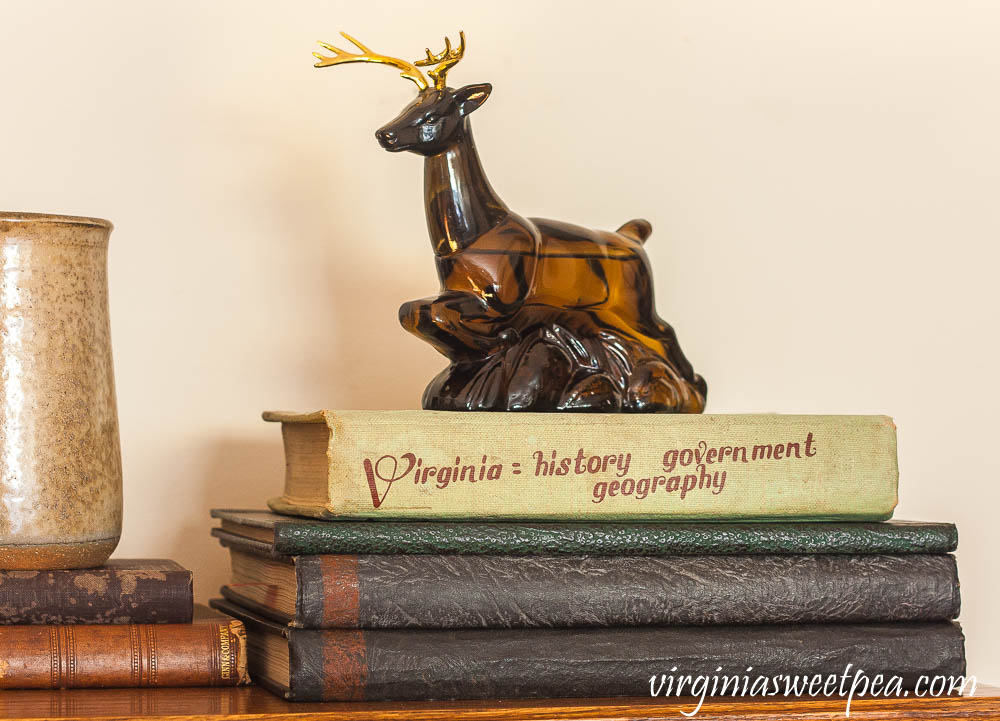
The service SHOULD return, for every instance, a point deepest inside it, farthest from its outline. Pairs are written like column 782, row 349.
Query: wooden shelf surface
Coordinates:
column 256, row 704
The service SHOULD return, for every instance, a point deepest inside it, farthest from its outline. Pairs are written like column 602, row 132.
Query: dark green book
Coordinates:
column 277, row 536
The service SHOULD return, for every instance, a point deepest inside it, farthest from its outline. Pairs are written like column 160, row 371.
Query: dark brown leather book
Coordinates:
column 120, row 591
column 453, row 591
column 211, row 651
column 356, row 665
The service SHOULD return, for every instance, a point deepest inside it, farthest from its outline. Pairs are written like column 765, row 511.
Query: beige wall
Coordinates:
column 822, row 178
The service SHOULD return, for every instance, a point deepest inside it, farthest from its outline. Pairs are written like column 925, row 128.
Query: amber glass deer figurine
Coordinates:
column 534, row 314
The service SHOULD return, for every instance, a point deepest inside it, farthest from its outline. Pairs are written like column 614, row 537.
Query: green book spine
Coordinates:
column 293, row 537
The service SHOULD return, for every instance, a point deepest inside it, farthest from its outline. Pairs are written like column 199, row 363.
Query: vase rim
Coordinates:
column 7, row 216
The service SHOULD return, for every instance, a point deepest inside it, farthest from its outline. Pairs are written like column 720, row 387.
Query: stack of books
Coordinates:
column 483, row 555
column 128, row 623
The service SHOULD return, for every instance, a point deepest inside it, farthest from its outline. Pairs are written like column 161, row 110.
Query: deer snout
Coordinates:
column 386, row 138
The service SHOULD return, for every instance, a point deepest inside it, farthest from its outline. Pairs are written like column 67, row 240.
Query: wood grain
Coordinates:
column 256, row 704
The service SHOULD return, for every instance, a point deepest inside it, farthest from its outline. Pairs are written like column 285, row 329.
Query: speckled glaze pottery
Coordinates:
column 60, row 460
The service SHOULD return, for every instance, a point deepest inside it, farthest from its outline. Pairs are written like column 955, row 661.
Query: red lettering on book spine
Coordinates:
column 373, row 471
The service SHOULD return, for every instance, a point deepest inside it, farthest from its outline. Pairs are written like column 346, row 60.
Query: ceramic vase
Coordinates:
column 60, row 459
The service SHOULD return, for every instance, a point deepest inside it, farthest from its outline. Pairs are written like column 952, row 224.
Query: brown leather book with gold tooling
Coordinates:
column 211, row 651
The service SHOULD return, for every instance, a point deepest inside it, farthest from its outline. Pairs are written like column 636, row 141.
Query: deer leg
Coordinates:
column 458, row 324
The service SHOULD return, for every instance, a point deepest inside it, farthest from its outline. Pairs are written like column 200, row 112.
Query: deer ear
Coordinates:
column 471, row 97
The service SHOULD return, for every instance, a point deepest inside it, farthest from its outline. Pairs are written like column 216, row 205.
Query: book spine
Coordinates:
column 440, row 465
column 609, row 539
column 96, row 595
column 195, row 654
column 442, row 592
column 350, row 665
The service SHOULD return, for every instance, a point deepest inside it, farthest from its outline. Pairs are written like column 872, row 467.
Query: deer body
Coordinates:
column 533, row 314
column 504, row 261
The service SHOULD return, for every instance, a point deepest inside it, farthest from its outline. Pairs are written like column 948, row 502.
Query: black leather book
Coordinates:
column 346, row 664
column 454, row 591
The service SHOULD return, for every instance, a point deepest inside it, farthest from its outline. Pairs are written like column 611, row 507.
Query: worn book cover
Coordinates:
column 120, row 591
column 273, row 534
column 478, row 591
column 211, row 651
column 550, row 466
column 369, row 665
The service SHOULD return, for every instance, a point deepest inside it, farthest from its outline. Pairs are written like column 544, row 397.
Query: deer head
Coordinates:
column 435, row 120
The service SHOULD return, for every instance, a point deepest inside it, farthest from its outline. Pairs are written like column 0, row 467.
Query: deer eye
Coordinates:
column 432, row 118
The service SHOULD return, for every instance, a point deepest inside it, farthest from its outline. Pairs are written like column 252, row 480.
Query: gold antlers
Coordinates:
column 443, row 61
column 410, row 71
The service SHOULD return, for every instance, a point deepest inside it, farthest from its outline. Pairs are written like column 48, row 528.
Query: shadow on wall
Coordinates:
column 348, row 287
column 357, row 355
column 342, row 283
column 366, row 360
column 236, row 473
